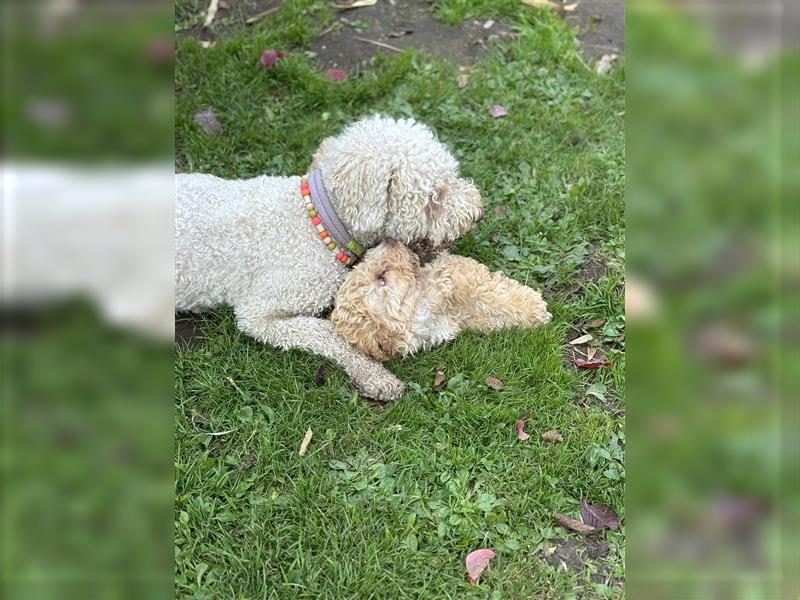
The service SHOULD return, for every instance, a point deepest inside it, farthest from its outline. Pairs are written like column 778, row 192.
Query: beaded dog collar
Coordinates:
column 330, row 229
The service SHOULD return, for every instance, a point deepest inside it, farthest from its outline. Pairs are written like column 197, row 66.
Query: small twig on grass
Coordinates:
column 213, row 7
column 336, row 25
column 261, row 15
column 376, row 43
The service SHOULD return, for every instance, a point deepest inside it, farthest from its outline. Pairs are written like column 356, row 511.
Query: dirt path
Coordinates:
column 410, row 23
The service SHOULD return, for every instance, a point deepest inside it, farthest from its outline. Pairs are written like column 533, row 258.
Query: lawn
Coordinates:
column 389, row 499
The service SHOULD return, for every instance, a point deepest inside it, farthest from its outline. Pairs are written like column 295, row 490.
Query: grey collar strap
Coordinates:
column 327, row 215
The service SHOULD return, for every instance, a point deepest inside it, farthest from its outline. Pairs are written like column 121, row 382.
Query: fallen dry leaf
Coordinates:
column 494, row 383
column 604, row 66
column 213, row 7
column 591, row 364
column 590, row 352
column 208, row 122
column 248, row 462
column 570, row 7
column 498, row 111
column 521, row 435
column 356, row 4
column 723, row 345
column 594, row 323
column 573, row 524
column 438, row 381
column 401, row 33
column 336, row 75
column 306, row 441
column 600, row 516
column 552, row 436
column 463, row 80
column 319, row 376
column 207, row 44
column 500, row 209
column 476, row 562
column 269, row 58
column 582, row 340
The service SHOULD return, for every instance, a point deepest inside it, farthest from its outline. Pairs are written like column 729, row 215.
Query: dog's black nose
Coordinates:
column 390, row 242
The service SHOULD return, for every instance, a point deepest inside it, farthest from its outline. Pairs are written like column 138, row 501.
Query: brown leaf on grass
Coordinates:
column 336, row 75
column 591, row 364
column 590, row 352
column 521, row 435
column 356, row 4
column 570, row 7
column 552, row 436
column 723, row 346
column 582, row 339
column 208, row 122
column 401, row 33
column 494, row 383
column 600, row 516
column 248, row 462
column 500, row 209
column 207, row 44
column 605, row 63
column 498, row 111
column 211, row 13
column 463, row 80
column 319, row 376
column 438, row 381
column 306, row 441
column 594, row 323
column 476, row 562
column 573, row 524
column 494, row 238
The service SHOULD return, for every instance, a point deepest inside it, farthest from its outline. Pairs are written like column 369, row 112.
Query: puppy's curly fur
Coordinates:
column 250, row 244
column 389, row 305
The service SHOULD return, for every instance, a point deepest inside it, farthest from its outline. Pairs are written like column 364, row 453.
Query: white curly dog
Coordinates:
column 256, row 245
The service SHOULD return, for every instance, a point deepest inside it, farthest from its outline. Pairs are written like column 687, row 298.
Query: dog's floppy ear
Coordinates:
column 358, row 182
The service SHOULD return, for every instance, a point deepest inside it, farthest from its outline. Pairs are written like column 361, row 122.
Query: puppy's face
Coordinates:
column 377, row 300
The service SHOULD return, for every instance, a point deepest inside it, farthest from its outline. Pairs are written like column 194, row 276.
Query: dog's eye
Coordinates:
column 382, row 279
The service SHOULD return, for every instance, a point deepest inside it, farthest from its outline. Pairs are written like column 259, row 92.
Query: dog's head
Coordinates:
column 393, row 179
column 375, row 304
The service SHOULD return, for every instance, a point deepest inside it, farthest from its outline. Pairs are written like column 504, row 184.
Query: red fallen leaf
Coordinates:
column 336, row 75
column 269, row 58
column 476, row 562
column 498, row 111
column 600, row 516
column 521, row 435
column 582, row 363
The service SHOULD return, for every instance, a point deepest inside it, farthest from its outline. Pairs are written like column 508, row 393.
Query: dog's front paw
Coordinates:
column 385, row 387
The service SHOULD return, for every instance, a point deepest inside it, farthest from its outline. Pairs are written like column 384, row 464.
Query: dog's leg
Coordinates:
column 318, row 336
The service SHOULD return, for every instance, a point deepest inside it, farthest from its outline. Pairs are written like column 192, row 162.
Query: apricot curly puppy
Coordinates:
column 389, row 305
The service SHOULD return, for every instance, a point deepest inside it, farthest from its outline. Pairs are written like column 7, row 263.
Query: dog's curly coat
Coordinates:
column 250, row 244
column 389, row 305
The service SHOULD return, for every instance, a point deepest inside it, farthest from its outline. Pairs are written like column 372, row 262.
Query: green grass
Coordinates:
column 389, row 500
